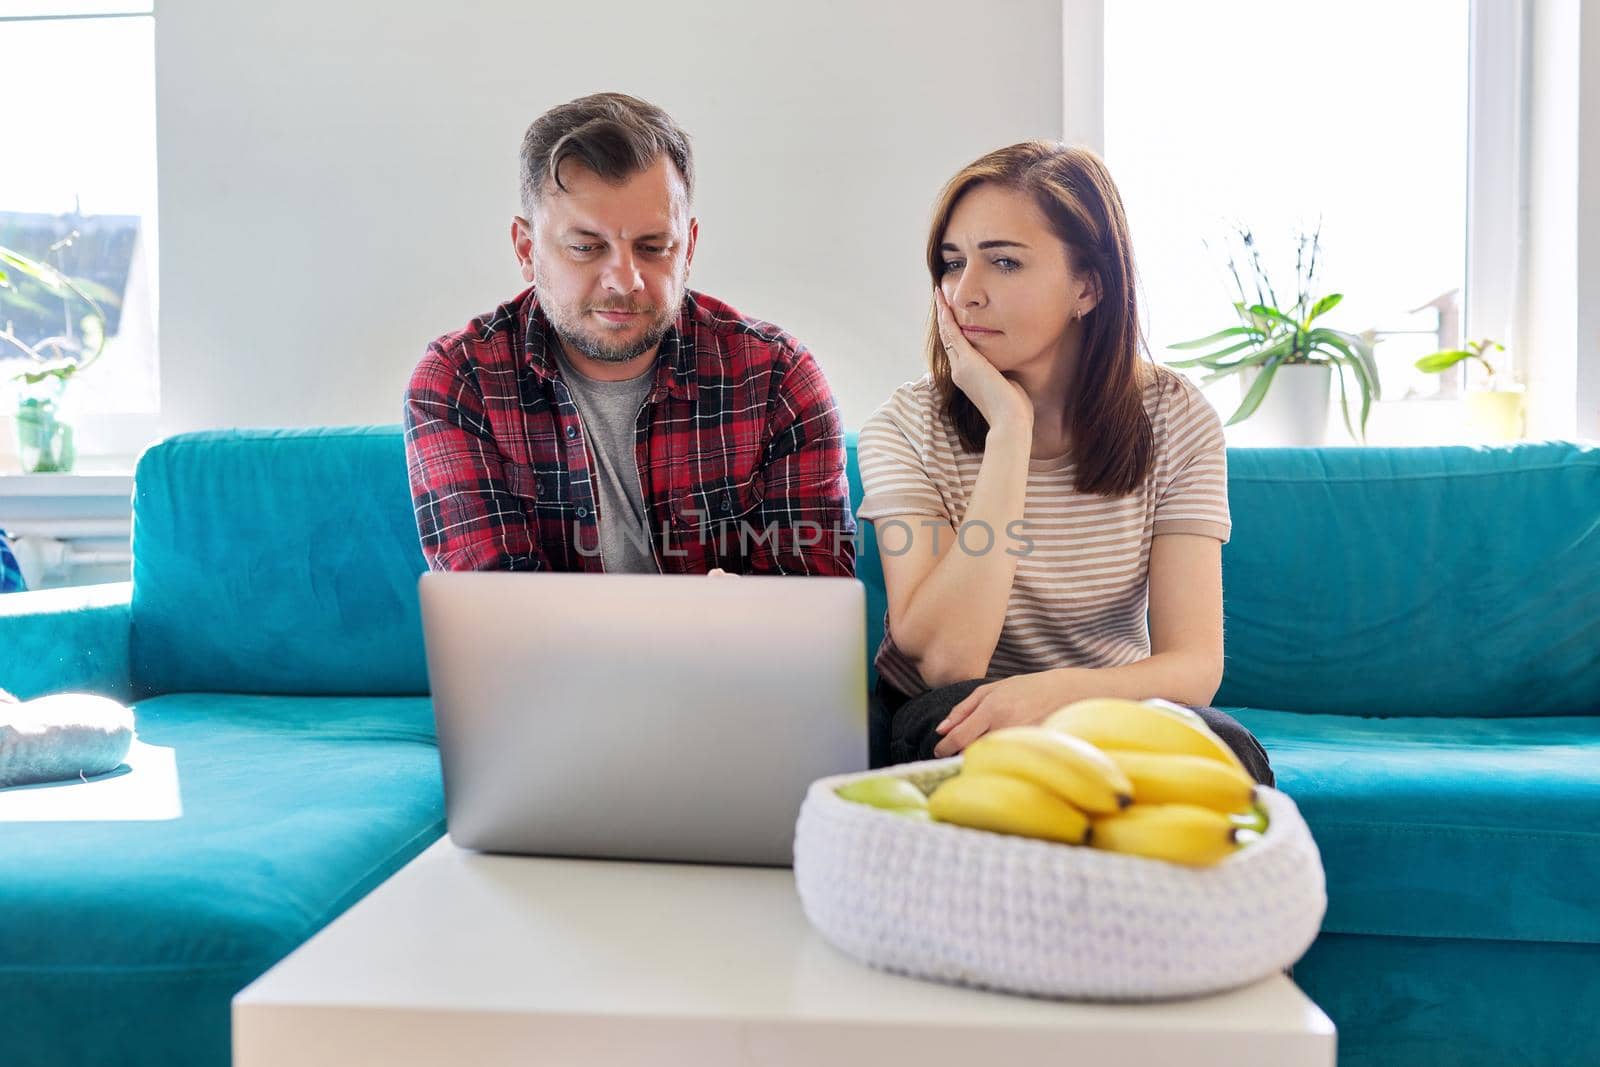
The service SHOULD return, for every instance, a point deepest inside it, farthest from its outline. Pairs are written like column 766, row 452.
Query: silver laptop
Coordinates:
column 661, row 717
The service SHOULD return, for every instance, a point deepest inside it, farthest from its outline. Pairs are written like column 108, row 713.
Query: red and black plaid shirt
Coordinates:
column 740, row 451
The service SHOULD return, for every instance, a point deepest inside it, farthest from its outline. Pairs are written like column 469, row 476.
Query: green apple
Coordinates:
column 887, row 792
column 1254, row 819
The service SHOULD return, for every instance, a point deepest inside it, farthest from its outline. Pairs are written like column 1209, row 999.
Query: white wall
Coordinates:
column 337, row 179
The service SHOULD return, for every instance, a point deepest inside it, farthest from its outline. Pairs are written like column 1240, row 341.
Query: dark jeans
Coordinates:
column 900, row 728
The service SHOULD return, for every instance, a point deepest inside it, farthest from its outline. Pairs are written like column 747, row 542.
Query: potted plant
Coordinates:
column 1496, row 410
column 1281, row 349
column 44, row 438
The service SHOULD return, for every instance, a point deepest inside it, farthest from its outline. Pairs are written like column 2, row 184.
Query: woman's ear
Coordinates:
column 1089, row 296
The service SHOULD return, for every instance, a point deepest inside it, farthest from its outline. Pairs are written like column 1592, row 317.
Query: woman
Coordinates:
column 1043, row 487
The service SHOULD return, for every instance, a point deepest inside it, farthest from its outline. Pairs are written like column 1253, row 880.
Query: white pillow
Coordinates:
column 67, row 735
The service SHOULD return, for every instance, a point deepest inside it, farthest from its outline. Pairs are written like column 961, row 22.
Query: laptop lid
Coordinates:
column 641, row 716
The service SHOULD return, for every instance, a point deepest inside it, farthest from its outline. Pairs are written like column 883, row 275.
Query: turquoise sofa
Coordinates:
column 1413, row 634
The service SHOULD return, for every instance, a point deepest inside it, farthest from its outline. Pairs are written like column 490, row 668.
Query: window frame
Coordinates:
column 108, row 440
column 1496, row 222
column 1498, row 61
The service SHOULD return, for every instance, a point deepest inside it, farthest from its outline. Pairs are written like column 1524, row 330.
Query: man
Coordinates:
column 609, row 419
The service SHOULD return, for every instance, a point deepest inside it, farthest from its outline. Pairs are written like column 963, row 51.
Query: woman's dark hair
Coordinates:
column 1112, row 441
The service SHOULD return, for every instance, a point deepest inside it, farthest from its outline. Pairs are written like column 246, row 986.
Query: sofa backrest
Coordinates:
column 276, row 561
column 1440, row 581
column 1452, row 581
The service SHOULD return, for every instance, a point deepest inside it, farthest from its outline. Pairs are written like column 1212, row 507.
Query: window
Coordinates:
column 1276, row 117
column 78, row 181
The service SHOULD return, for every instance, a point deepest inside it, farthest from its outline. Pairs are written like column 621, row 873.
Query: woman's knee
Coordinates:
column 1242, row 742
column 912, row 736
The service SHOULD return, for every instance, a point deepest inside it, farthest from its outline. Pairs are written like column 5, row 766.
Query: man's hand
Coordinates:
column 1022, row 700
column 714, row 571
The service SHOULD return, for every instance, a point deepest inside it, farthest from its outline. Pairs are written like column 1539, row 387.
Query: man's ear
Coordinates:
column 522, row 245
column 694, row 236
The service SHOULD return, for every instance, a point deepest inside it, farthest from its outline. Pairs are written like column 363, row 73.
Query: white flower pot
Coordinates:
column 1497, row 415
column 1294, row 413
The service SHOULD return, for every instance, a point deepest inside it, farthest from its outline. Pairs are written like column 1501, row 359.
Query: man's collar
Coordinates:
column 675, row 358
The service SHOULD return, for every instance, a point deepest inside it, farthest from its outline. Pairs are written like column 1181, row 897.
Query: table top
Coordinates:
column 628, row 960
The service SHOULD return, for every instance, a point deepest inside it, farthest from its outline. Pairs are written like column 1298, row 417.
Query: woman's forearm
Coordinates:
column 1181, row 677
column 953, row 622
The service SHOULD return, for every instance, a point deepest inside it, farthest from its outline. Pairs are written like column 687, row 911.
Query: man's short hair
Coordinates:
column 613, row 134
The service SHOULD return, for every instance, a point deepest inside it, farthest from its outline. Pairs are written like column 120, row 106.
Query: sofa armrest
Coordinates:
column 55, row 640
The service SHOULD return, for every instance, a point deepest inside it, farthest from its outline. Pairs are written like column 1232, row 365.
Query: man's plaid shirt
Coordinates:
column 739, row 444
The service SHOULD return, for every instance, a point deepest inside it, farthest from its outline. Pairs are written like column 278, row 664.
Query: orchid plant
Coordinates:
column 1270, row 335
column 1439, row 362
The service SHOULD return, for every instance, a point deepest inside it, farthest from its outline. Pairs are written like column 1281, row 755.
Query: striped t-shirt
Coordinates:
column 1081, row 591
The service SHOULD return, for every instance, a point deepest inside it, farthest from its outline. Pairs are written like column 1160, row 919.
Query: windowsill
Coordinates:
column 111, row 483
column 1413, row 422
column 108, row 443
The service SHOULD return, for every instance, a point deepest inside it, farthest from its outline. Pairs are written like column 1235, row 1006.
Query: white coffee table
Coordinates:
column 463, row 959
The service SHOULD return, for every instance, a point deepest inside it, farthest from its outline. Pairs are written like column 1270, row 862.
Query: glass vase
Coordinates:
column 44, row 436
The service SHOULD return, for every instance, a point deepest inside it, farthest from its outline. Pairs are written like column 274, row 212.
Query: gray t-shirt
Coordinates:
column 610, row 411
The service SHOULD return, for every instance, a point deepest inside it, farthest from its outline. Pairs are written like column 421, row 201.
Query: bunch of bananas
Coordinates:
column 1142, row 777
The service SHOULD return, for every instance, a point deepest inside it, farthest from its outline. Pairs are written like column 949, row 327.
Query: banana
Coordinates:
column 1007, row 805
column 1069, row 767
column 1169, row 777
column 1178, row 833
column 1144, row 726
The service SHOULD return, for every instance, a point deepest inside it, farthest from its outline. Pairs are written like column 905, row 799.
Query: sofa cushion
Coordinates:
column 1447, row 828
column 1438, row 1002
column 276, row 561
column 121, row 932
column 1414, row 581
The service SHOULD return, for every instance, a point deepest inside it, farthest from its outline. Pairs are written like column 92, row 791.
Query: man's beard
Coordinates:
column 570, row 329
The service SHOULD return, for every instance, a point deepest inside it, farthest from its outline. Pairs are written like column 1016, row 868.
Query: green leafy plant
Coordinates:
column 1270, row 335
column 49, row 365
column 64, row 355
column 1439, row 362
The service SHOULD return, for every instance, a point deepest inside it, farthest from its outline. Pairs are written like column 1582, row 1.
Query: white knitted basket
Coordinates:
column 1036, row 917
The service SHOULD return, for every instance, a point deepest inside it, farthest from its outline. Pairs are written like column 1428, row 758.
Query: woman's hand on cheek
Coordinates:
column 1000, row 400
column 1021, row 700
